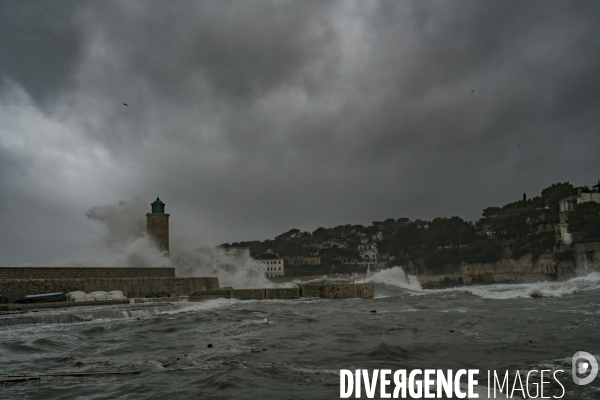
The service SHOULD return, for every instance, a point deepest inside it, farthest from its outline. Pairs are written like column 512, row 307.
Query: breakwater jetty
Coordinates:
column 133, row 282
column 322, row 290
column 145, row 283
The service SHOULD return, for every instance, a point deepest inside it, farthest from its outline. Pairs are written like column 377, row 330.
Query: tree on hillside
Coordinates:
column 553, row 193
column 449, row 231
column 409, row 237
column 291, row 234
column 513, row 221
column 358, row 228
column 515, row 205
column 321, row 235
column 402, row 221
column 491, row 212
column 485, row 223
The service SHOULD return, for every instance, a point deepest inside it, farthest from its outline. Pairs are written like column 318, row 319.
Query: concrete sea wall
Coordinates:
column 83, row 272
column 248, row 294
column 339, row 290
column 523, row 270
column 328, row 291
column 131, row 287
column 282, row 293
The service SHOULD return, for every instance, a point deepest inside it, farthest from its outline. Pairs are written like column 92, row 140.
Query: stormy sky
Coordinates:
column 250, row 118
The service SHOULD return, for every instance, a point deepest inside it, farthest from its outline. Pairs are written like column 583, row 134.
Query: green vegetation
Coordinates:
column 515, row 229
column 585, row 219
column 487, row 251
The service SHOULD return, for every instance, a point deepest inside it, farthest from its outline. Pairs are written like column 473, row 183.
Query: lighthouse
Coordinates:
column 157, row 224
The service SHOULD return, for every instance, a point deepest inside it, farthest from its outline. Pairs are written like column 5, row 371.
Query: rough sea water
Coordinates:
column 294, row 349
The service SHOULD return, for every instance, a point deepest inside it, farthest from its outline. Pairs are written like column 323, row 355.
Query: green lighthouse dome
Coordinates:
column 158, row 207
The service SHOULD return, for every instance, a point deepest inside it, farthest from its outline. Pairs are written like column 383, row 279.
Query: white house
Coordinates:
column 274, row 267
column 369, row 255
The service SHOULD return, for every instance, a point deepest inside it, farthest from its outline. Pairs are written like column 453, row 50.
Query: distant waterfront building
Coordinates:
column 567, row 204
column 237, row 253
column 363, row 263
column 367, row 246
column 311, row 260
column 369, row 255
column 303, row 260
column 333, row 244
column 544, row 220
column 157, row 225
column 274, row 267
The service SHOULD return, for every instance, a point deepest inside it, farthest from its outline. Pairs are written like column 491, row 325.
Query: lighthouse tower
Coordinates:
column 157, row 224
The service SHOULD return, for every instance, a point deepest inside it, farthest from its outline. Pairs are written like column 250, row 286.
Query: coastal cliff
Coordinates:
column 524, row 270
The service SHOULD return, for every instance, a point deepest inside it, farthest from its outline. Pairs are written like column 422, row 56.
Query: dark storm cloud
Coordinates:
column 253, row 117
column 239, row 48
column 40, row 46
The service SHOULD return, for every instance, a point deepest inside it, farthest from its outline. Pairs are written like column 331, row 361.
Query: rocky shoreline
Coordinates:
column 523, row 270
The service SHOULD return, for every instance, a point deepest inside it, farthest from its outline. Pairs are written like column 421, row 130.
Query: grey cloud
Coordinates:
column 250, row 118
column 40, row 46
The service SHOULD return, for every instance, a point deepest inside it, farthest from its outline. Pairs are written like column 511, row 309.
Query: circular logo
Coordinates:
column 581, row 367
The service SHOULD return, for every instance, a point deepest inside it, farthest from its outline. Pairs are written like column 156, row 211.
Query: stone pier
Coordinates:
column 326, row 291
column 157, row 282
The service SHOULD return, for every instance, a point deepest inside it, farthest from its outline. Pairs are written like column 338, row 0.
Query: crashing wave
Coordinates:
column 396, row 277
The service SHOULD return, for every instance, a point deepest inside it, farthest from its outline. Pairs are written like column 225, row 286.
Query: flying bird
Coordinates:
column 125, row 104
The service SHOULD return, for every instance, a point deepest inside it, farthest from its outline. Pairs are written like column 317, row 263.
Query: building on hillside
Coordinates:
column 333, row 244
column 367, row 246
column 315, row 246
column 303, row 260
column 567, row 204
column 545, row 220
column 369, row 255
column 359, row 263
column 237, row 253
column 293, row 260
column 312, row 260
column 274, row 267
column 364, row 238
column 157, row 225
column 370, row 265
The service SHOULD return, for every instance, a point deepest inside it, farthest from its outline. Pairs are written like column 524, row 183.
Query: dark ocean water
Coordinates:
column 306, row 342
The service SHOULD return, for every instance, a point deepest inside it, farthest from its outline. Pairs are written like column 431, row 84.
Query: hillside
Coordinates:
column 512, row 230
